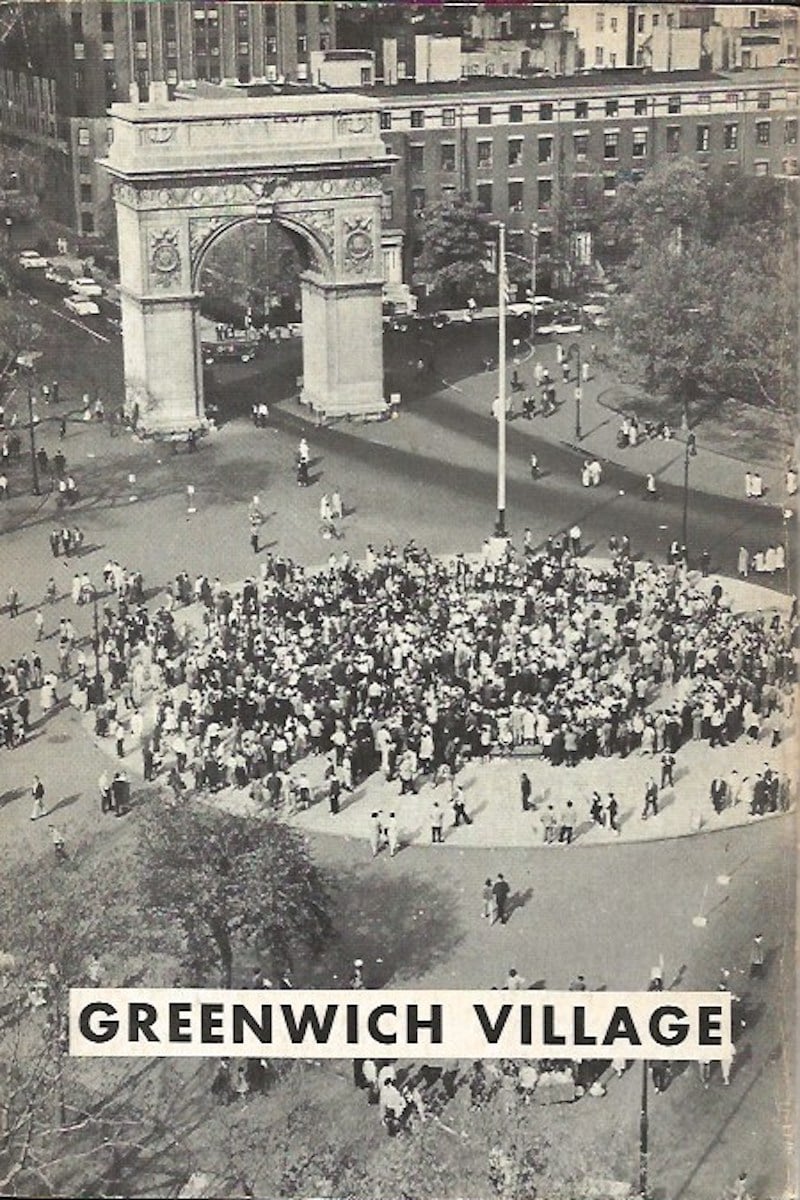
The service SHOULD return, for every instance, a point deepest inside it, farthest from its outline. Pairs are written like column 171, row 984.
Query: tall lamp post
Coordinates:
column 565, row 357
column 689, row 452
column 502, row 288
column 644, row 1133
column 786, row 516
column 534, row 268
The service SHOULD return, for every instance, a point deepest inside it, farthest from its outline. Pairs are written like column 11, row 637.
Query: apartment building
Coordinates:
column 64, row 63
column 519, row 147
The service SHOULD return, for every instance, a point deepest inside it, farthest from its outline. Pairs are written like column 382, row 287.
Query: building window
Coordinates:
column 545, row 149
column 581, row 110
column 790, row 131
column 79, row 50
column 702, row 138
column 609, row 185
column 731, row 137
column 448, row 116
column 763, row 100
column 418, row 199
column 448, row 193
column 87, row 221
column 640, row 106
column 640, row 23
column 386, row 120
column 655, row 20
column 417, row 118
column 271, row 43
column 545, row 112
column 515, row 152
column 611, row 145
column 674, row 104
column 614, row 24
column 302, row 43
column 612, row 108
column 416, row 157
column 108, row 51
column 484, row 114
column 639, row 147
column 545, row 195
column 110, row 136
column 484, row 196
column 762, row 133
column 599, row 21
column 86, row 193
column 448, row 156
column 515, row 114
column 84, row 138
column 107, row 20
column 761, row 168
column 387, row 206
column 77, row 24
column 705, row 99
column 580, row 142
column 484, row 154
column 580, row 192
column 673, row 139
column 140, row 51
column 598, row 56
column 515, row 195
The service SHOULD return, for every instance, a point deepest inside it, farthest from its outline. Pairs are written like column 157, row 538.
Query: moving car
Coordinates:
column 56, row 275
column 240, row 349
column 82, row 306
column 86, row 286
column 32, row 260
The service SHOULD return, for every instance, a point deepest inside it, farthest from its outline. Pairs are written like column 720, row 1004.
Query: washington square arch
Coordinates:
column 186, row 170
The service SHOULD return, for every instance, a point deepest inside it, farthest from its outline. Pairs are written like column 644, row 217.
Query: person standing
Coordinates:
column 59, row 845
column 437, row 823
column 460, row 814
column 12, row 600
column 501, row 892
column 392, row 834
column 489, row 912
column 612, row 809
column 525, row 789
column 375, row 833
column 667, row 769
column 334, row 792
column 104, row 787
column 37, row 793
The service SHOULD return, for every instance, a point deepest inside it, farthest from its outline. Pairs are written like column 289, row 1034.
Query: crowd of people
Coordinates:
column 413, row 666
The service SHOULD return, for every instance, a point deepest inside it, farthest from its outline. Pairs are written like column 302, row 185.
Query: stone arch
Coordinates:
column 183, row 172
column 317, row 250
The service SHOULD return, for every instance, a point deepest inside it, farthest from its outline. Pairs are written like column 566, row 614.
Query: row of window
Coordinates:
column 546, row 109
column 582, row 190
column 201, row 46
column 485, row 150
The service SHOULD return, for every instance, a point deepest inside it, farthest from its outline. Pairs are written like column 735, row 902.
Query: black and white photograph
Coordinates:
column 398, row 573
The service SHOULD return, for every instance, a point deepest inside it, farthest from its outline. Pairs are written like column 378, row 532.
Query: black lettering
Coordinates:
column 180, row 1027
column 621, row 1026
column 434, row 1023
column 386, row 1039
column 492, row 1032
column 242, row 1016
column 352, row 1024
column 106, row 1029
column 551, row 1038
column 710, row 1025
column 309, row 1018
column 581, row 1036
column 211, row 1024
column 525, row 1030
column 141, row 1019
column 676, row 1033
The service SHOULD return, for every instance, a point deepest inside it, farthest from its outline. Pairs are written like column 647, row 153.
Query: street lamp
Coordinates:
column 534, row 257
column 689, row 452
column 786, row 517
column 644, row 1132
column 502, row 288
column 564, row 357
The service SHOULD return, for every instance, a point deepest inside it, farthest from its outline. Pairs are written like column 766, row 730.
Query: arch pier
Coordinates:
column 185, row 170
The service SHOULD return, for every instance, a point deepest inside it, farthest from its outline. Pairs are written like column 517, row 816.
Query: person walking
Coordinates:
column 59, row 845
column 460, row 814
column 501, row 892
column 104, row 787
column 650, row 799
column 37, row 793
column 489, row 912
column 392, row 834
column 667, row 769
column 375, row 833
column 612, row 809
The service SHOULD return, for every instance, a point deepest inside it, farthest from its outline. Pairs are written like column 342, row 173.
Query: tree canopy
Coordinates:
column 707, row 304
column 226, row 880
column 453, row 255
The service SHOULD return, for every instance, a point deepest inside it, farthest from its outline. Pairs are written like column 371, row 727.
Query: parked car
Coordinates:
column 238, row 349
column 82, row 306
column 32, row 260
column 86, row 286
column 56, row 275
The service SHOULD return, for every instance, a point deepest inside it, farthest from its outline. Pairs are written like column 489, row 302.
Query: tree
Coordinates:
column 708, row 308
column 453, row 256
column 225, row 880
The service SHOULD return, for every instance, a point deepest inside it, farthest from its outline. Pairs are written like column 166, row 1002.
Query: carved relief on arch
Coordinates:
column 359, row 248
column 201, row 228
column 164, row 257
column 321, row 225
